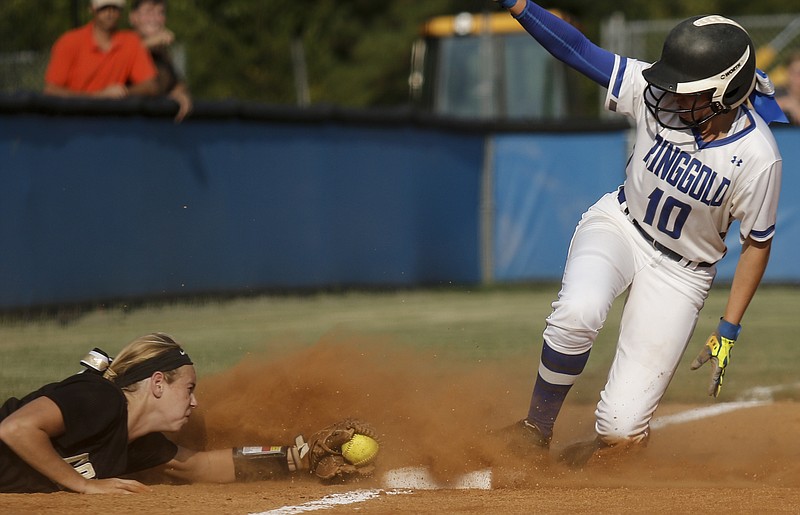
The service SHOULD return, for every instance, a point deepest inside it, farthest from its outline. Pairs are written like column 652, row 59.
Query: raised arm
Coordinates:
column 563, row 40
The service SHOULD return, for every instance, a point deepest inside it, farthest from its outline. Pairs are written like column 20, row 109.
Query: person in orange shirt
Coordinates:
column 99, row 60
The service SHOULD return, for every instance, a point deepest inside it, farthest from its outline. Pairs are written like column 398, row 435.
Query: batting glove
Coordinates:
column 718, row 349
column 506, row 4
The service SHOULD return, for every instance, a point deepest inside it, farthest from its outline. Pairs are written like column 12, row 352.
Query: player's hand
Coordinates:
column 115, row 91
column 163, row 37
column 114, row 486
column 184, row 101
column 718, row 350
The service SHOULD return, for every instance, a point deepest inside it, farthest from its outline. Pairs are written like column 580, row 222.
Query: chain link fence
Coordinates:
column 24, row 71
column 775, row 38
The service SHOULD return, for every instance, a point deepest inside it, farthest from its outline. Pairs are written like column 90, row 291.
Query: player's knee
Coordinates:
column 622, row 431
column 574, row 324
column 586, row 312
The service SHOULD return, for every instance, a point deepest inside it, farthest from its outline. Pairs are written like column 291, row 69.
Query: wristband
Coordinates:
column 260, row 463
column 728, row 330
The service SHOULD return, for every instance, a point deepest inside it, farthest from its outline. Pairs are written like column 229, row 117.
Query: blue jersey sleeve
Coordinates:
column 567, row 43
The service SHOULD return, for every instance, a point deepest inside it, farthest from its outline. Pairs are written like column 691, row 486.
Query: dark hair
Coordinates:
column 136, row 3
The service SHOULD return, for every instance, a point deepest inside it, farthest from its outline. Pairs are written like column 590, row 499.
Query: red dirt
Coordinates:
column 433, row 412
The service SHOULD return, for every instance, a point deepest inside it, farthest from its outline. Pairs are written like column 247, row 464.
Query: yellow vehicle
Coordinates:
column 485, row 66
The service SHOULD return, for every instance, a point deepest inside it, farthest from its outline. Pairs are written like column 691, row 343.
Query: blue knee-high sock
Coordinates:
column 557, row 374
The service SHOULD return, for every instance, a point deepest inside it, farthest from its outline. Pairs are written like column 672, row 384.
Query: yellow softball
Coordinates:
column 360, row 450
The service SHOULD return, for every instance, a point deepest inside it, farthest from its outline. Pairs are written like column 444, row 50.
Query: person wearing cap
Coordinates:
column 84, row 433
column 703, row 157
column 100, row 60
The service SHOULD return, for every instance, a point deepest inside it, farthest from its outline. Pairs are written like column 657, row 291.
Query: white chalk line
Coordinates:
column 329, row 501
column 420, row 478
column 767, row 393
column 396, row 482
column 705, row 412
column 758, row 396
column 406, row 480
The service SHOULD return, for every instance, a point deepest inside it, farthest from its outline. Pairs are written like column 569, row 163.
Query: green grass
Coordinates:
column 470, row 326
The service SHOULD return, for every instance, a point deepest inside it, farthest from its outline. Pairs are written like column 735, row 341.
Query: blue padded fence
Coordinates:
column 106, row 208
column 104, row 201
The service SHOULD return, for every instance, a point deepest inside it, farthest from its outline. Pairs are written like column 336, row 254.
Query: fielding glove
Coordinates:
column 718, row 349
column 325, row 449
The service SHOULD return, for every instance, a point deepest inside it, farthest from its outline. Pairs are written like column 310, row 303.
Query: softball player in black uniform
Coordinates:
column 85, row 433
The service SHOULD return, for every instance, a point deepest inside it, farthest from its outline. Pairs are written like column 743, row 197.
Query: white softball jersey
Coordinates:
column 684, row 192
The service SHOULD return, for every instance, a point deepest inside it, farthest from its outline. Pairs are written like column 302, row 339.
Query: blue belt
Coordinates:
column 656, row 245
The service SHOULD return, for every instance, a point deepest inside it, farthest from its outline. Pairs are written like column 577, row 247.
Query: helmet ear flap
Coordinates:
column 738, row 93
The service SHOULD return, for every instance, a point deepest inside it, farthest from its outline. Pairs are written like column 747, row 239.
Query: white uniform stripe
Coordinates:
column 555, row 377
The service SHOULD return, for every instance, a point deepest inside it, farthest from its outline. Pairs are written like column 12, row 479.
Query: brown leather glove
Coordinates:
column 325, row 449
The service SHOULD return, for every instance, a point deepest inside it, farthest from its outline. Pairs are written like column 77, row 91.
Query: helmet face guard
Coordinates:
column 670, row 113
column 710, row 58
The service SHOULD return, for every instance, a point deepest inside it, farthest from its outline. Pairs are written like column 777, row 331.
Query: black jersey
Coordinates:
column 95, row 439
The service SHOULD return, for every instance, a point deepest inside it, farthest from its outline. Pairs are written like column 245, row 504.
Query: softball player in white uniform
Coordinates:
column 702, row 158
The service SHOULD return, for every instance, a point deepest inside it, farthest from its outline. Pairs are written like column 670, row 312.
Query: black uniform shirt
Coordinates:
column 95, row 439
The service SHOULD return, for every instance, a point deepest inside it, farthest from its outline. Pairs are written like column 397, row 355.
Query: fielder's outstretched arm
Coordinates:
column 201, row 466
column 229, row 465
column 323, row 455
column 564, row 41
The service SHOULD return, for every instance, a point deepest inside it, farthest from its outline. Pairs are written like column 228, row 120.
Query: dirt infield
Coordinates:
column 444, row 416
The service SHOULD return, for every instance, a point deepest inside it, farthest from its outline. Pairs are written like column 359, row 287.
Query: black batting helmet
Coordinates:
column 702, row 54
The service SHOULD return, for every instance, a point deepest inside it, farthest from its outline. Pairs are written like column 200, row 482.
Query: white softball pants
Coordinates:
column 608, row 256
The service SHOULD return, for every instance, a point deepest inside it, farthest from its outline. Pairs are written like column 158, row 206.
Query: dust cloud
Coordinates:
column 448, row 414
column 429, row 409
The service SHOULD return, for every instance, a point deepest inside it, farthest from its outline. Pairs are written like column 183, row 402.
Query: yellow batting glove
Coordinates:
column 718, row 350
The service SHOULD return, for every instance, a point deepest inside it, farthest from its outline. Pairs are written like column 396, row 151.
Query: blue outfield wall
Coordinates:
column 542, row 184
column 129, row 205
column 107, row 208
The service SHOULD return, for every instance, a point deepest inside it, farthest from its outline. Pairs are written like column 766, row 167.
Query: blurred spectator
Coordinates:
column 789, row 99
column 99, row 60
column 148, row 18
